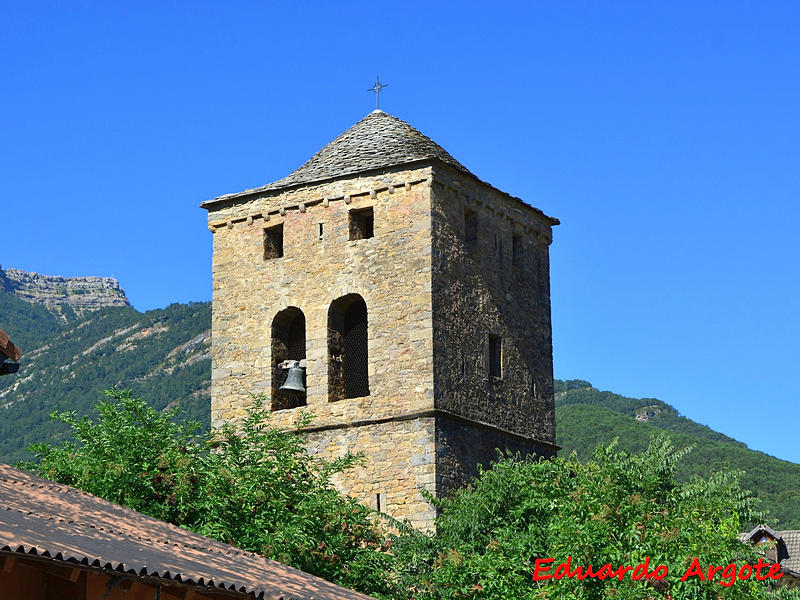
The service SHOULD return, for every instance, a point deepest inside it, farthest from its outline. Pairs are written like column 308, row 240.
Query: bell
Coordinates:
column 294, row 381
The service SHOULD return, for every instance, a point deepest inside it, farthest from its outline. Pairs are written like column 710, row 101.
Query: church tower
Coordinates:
column 417, row 297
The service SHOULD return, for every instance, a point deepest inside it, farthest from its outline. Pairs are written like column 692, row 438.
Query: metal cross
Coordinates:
column 377, row 89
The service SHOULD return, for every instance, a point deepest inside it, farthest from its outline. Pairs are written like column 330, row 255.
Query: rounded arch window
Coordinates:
column 288, row 343
column 348, row 359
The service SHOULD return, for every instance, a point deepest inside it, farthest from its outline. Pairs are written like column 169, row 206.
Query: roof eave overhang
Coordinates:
column 267, row 190
column 247, row 195
column 761, row 529
column 552, row 221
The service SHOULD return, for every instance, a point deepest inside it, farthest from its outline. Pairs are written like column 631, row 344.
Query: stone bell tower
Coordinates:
column 418, row 297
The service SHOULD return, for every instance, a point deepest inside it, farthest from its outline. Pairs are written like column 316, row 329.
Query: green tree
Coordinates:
column 618, row 508
column 253, row 486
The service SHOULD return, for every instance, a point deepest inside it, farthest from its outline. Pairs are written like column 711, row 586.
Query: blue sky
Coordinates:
column 663, row 135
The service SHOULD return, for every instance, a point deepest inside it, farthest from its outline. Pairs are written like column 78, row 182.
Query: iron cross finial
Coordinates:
column 377, row 89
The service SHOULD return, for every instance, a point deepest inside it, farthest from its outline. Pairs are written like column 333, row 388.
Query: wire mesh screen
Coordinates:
column 356, row 378
column 297, row 339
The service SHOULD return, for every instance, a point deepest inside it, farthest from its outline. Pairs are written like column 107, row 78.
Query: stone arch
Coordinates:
column 288, row 343
column 348, row 375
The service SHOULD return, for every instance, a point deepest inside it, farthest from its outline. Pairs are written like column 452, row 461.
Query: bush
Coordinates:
column 619, row 509
column 255, row 487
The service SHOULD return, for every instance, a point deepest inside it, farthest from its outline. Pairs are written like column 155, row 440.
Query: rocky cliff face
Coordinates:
column 81, row 294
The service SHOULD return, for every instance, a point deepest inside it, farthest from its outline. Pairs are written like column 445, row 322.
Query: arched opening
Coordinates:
column 288, row 343
column 347, row 348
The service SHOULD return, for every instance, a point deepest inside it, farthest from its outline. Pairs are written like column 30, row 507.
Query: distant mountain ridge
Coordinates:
column 63, row 295
column 586, row 417
column 646, row 410
column 80, row 336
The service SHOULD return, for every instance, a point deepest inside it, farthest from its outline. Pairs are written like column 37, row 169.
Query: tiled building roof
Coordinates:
column 377, row 141
column 788, row 546
column 42, row 518
column 7, row 349
column 792, row 540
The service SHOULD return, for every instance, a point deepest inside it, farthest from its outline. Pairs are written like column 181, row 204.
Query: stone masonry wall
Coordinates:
column 461, row 446
column 433, row 413
column 486, row 291
column 401, row 461
column 391, row 271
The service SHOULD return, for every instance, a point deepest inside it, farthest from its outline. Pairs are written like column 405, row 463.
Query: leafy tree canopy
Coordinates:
column 255, row 487
column 617, row 508
column 258, row 488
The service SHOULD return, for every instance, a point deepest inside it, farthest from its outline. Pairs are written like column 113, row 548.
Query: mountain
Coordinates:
column 75, row 344
column 63, row 296
column 586, row 417
column 35, row 307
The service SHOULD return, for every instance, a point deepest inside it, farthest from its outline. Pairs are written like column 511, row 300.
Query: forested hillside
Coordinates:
column 29, row 325
column 162, row 355
column 586, row 417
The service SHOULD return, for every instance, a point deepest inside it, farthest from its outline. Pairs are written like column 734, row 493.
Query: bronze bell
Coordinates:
column 294, row 381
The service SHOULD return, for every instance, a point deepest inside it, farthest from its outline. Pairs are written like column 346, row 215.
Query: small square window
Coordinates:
column 495, row 356
column 362, row 224
column 517, row 250
column 273, row 242
column 470, row 229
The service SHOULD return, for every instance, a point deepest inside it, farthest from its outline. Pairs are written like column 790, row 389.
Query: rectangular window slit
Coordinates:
column 362, row 224
column 273, row 242
column 470, row 229
column 320, row 231
column 495, row 356
column 516, row 250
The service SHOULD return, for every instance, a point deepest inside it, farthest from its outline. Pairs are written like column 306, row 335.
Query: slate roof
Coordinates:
column 42, row 518
column 377, row 141
column 788, row 546
column 792, row 540
column 759, row 532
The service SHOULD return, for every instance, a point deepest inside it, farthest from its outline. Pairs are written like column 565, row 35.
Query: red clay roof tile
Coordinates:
column 53, row 520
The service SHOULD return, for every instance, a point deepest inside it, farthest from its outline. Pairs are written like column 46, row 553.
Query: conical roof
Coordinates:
column 377, row 141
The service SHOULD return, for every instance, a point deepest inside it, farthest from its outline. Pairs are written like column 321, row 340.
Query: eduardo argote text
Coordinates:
column 725, row 575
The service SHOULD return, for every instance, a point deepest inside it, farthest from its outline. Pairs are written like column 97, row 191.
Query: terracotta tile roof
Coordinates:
column 43, row 518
